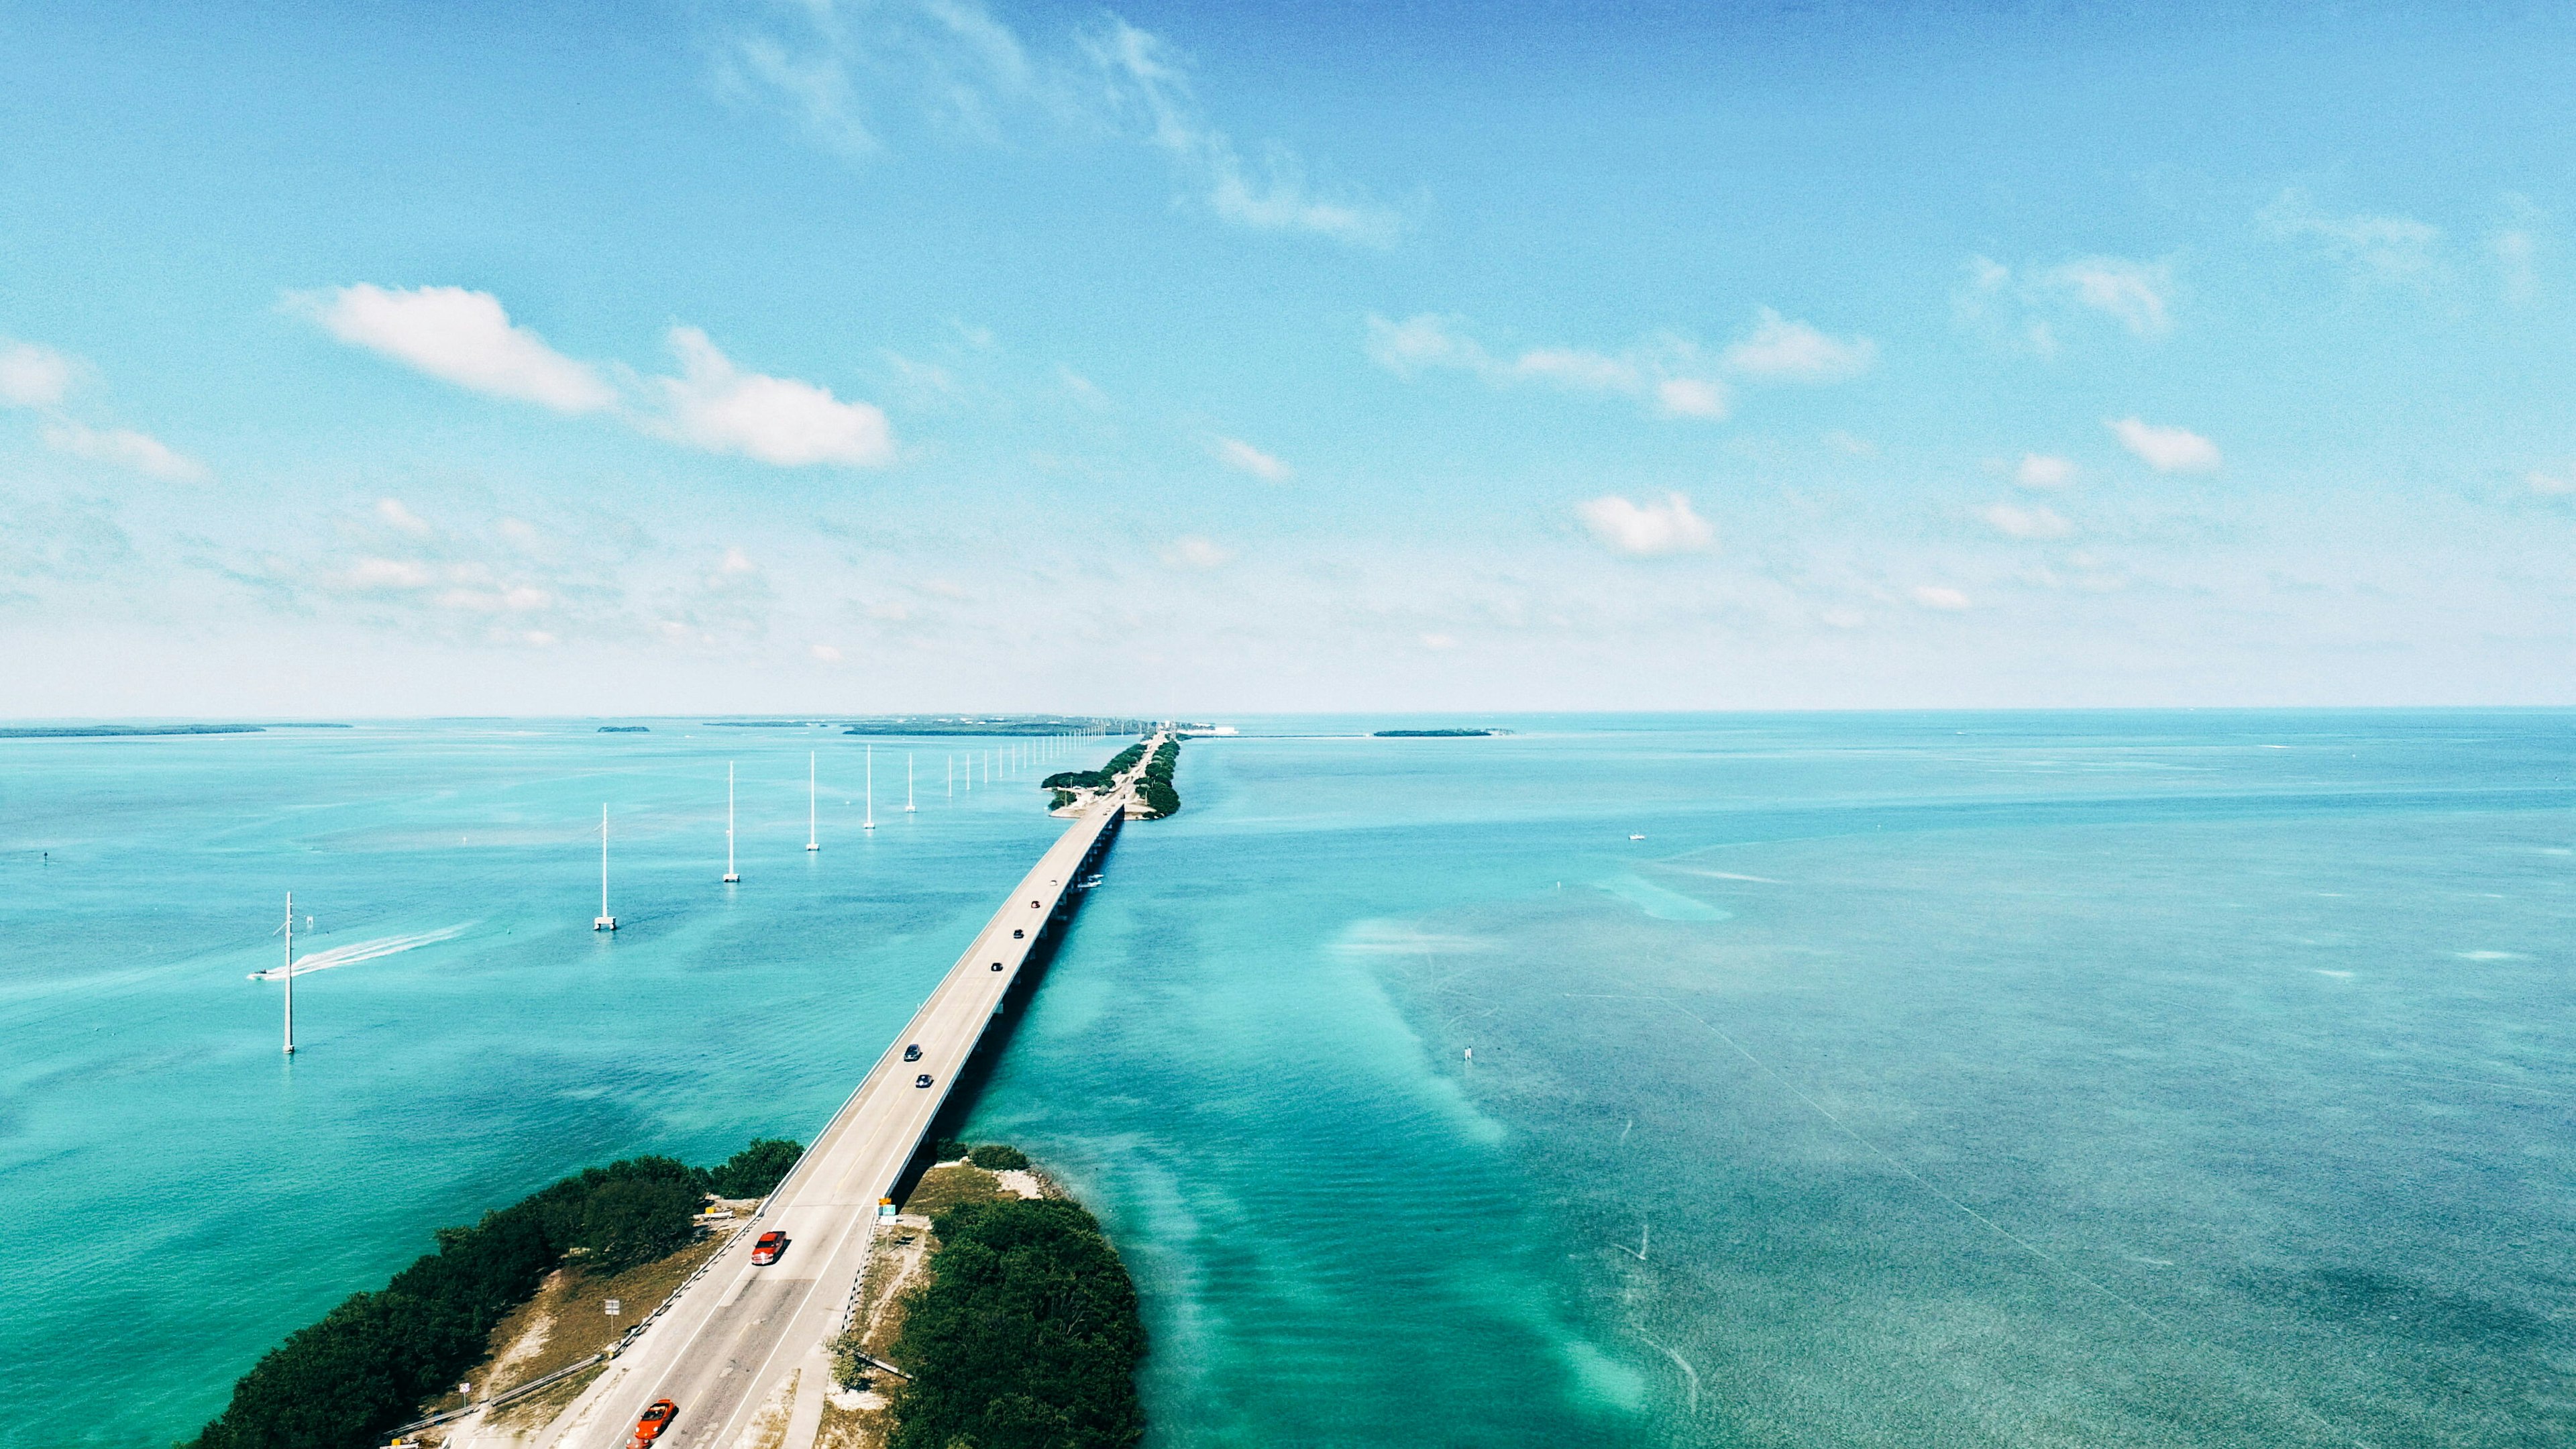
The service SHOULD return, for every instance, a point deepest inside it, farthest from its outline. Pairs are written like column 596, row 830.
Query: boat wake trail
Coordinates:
column 357, row 951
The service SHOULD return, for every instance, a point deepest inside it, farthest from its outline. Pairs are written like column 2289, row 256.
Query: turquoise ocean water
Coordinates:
column 2007, row 1079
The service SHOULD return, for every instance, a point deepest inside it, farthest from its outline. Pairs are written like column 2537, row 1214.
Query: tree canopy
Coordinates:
column 1025, row 1337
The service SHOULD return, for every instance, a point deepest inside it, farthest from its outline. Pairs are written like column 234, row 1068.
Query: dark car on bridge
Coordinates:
column 912, row 1053
column 766, row 1251
column 655, row 1420
column 922, row 1081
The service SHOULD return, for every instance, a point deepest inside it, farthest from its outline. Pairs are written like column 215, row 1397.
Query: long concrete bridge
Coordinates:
column 722, row 1348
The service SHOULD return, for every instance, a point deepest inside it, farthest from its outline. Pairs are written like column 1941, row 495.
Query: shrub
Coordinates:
column 635, row 1220
column 997, row 1157
column 756, row 1170
column 367, row 1365
column 1025, row 1337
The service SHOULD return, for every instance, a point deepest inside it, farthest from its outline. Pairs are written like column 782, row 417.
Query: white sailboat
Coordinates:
column 605, row 922
column 811, row 843
column 732, row 876
column 870, row 823
column 907, row 783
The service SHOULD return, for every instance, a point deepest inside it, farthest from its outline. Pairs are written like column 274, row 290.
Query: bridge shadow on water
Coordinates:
column 950, row 1123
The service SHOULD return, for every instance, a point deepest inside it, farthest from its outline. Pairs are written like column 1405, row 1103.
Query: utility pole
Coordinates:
column 290, row 973
column 732, row 876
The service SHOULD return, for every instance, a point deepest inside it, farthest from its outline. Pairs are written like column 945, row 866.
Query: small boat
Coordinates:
column 1636, row 837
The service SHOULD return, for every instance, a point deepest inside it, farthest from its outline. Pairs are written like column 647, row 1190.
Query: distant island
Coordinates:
column 626, row 729
column 1030, row 726
column 100, row 732
column 1432, row 734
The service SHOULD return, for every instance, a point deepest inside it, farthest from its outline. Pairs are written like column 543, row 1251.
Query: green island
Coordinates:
column 1452, row 734
column 993, row 1313
column 1100, row 779
column 626, row 729
column 1159, row 796
column 384, row 1358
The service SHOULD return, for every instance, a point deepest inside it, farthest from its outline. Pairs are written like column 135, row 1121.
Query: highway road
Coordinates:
column 724, row 1348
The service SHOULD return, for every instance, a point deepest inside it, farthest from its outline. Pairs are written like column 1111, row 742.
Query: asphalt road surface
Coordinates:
column 723, row 1349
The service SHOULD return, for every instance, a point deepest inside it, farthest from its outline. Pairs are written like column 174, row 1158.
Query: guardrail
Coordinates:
column 505, row 1396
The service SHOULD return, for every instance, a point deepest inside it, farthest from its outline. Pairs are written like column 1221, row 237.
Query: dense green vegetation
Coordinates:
column 755, row 1170
column 1025, row 1337
column 1160, row 797
column 1100, row 779
column 342, row 1382
column 997, row 1157
column 1431, row 734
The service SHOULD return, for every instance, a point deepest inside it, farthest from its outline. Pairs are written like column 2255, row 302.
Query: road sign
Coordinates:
column 614, row 1307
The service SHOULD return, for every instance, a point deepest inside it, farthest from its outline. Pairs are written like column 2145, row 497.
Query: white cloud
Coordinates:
column 1424, row 341
column 1194, row 552
column 1083, row 389
column 1844, row 618
column 520, row 600
column 716, row 406
column 2167, row 450
column 955, row 66
column 373, row 575
column 2517, row 249
column 1146, row 78
column 123, row 446
column 2040, row 470
column 2514, row 251
column 2018, row 522
column 1783, row 350
column 1691, row 397
column 460, row 337
column 2371, row 248
column 2552, row 484
column 1648, row 530
column 1941, row 597
column 33, row 376
column 1243, row 457
column 39, row 378
column 2021, row 309
column 1668, row 370
column 392, row 511
column 2134, row 292
column 1575, row 368
column 824, row 653
column 1439, row 641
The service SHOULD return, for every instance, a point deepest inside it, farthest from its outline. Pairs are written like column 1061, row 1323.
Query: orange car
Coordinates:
column 766, row 1251
column 655, row 1420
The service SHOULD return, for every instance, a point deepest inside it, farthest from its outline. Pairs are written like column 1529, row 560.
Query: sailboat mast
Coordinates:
column 870, row 821
column 811, row 843
column 907, row 783
column 290, row 973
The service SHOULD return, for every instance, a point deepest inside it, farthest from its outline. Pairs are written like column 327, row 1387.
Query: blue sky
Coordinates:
column 816, row 356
